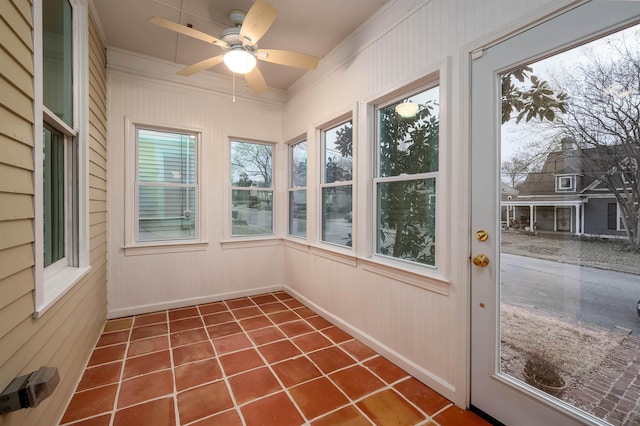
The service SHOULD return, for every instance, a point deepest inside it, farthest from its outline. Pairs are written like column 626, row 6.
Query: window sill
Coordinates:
column 409, row 274
column 165, row 247
column 337, row 255
column 57, row 286
column 250, row 242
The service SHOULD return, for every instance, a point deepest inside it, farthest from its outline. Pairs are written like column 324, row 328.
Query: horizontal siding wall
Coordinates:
column 425, row 331
column 142, row 91
column 65, row 335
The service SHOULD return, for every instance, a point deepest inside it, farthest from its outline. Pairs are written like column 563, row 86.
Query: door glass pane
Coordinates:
column 570, row 280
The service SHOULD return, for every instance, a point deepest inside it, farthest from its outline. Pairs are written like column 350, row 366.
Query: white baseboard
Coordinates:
column 430, row 379
column 153, row 307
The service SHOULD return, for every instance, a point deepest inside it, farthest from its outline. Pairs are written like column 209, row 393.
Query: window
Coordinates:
column 406, row 177
column 166, row 185
column 298, row 189
column 336, row 184
column 61, row 156
column 251, row 188
column 565, row 183
column 59, row 197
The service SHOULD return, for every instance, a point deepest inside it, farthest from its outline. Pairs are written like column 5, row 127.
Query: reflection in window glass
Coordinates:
column 407, row 219
column 57, row 58
column 167, row 185
column 336, row 185
column 297, row 189
column 405, row 185
column 336, row 215
column 252, row 188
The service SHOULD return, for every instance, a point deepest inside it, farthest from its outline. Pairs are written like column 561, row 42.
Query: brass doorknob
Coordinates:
column 480, row 260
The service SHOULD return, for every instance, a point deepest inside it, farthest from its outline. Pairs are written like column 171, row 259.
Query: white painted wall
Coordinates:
column 423, row 330
column 148, row 92
column 419, row 321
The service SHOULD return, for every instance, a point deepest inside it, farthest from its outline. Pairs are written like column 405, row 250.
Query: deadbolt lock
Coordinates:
column 480, row 260
column 482, row 235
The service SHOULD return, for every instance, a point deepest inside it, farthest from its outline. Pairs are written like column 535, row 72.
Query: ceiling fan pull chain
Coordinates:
column 233, row 78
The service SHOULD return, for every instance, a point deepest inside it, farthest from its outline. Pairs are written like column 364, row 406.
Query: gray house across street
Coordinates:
column 568, row 194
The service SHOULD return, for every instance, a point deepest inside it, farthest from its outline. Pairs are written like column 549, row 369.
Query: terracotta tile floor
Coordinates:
column 261, row 360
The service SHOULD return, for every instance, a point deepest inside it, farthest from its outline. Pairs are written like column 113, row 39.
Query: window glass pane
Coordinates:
column 251, row 164
column 166, row 157
column 57, row 44
column 53, row 195
column 252, row 212
column 338, row 150
column 166, row 213
column 336, row 215
column 298, row 213
column 406, row 220
column 298, row 165
column 409, row 143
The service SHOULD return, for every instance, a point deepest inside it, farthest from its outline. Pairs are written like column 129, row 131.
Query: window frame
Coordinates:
column 322, row 184
column 271, row 188
column 562, row 188
column 196, row 186
column 292, row 189
column 130, row 244
column 55, row 280
column 432, row 82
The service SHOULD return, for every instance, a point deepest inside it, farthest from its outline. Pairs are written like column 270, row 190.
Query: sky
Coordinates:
column 515, row 136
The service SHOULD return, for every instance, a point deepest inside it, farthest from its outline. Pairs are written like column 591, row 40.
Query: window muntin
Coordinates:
column 297, row 189
column 336, row 184
column 251, row 188
column 405, row 185
column 166, row 185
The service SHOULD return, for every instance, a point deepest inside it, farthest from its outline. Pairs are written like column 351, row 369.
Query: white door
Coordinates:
column 496, row 392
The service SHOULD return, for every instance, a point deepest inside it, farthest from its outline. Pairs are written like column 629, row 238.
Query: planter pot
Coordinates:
column 556, row 391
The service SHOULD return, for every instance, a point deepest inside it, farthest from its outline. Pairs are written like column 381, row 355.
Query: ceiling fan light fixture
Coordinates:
column 407, row 109
column 239, row 61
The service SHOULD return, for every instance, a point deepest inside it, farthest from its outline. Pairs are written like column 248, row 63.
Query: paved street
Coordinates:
column 597, row 296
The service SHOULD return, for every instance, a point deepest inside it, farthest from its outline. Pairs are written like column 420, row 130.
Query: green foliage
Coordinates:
column 537, row 100
column 406, row 213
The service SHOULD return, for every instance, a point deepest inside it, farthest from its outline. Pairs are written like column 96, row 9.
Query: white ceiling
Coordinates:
column 313, row 27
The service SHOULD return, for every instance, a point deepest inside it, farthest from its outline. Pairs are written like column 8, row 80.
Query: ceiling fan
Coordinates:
column 240, row 41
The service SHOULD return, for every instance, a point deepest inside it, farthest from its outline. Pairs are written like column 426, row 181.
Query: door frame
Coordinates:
column 518, row 399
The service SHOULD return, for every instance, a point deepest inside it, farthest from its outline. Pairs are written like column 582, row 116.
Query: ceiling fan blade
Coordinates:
column 256, row 81
column 258, row 20
column 182, row 29
column 284, row 57
column 201, row 66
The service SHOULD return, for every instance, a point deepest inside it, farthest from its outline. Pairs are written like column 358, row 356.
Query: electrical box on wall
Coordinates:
column 29, row 390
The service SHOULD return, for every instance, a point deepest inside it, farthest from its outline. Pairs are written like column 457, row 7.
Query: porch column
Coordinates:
column 531, row 210
column 578, row 220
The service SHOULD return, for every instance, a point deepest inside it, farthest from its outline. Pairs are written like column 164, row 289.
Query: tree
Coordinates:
column 536, row 100
column 406, row 208
column 251, row 164
column 603, row 118
column 515, row 170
